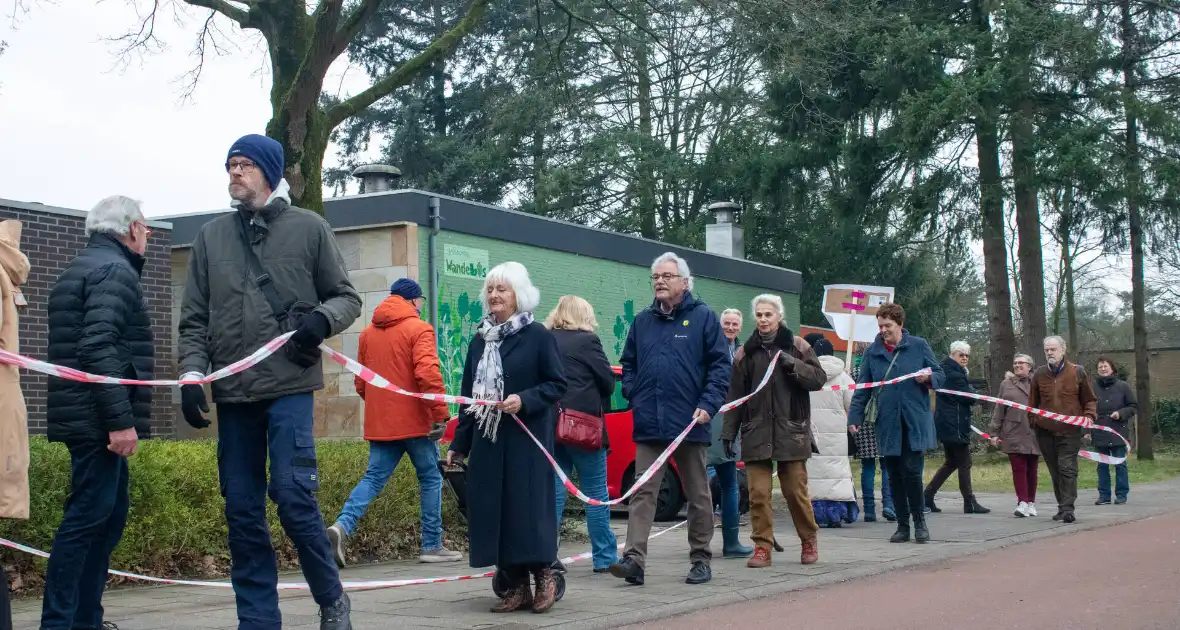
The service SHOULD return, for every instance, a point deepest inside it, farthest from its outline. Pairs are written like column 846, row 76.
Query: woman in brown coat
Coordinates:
column 775, row 425
column 1011, row 432
column 14, row 435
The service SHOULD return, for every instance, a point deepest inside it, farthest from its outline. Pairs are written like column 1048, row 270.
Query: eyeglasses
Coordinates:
column 666, row 277
column 246, row 166
column 146, row 231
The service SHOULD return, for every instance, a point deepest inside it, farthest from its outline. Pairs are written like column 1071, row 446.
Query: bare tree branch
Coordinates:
column 237, row 14
column 353, row 23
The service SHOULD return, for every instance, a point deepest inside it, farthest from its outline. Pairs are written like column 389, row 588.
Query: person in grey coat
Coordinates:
column 230, row 309
column 1116, row 408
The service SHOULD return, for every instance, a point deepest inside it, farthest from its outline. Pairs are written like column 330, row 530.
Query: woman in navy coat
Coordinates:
column 904, row 424
column 511, row 519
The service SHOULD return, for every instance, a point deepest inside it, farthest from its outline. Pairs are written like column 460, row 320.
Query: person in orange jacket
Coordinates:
column 401, row 347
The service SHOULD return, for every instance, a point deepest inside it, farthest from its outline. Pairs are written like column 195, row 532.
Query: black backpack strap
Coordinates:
column 259, row 274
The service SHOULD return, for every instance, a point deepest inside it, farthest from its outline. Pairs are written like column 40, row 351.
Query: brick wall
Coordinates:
column 51, row 237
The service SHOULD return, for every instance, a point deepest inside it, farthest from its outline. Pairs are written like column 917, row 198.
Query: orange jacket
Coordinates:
column 401, row 347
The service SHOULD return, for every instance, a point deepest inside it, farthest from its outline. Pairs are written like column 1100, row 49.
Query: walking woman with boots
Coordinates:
column 512, row 523
column 952, row 419
column 775, row 425
column 901, row 412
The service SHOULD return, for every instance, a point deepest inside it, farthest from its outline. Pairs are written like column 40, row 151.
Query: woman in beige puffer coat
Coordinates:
column 829, row 475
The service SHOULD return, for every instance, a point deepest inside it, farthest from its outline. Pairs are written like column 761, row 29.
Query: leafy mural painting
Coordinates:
column 457, row 323
column 622, row 325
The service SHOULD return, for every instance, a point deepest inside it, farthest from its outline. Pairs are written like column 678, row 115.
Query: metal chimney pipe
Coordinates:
column 377, row 178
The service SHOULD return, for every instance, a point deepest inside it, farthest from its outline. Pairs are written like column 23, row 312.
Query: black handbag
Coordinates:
column 288, row 317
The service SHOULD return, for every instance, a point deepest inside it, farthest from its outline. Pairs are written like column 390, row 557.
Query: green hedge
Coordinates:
column 176, row 527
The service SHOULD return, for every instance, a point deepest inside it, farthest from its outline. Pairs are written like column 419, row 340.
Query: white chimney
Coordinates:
column 724, row 237
column 376, row 177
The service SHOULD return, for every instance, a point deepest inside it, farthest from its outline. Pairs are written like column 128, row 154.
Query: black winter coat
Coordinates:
column 98, row 323
column 1113, row 395
column 952, row 414
column 590, row 381
column 511, row 514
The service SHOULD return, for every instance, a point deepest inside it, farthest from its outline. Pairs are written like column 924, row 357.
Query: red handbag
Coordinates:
column 579, row 429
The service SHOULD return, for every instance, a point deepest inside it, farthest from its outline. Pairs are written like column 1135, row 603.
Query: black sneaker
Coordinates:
column 1068, row 517
column 336, row 616
column 109, row 625
column 1102, row 502
column 699, row 573
column 1058, row 516
column 629, row 570
column 1120, row 501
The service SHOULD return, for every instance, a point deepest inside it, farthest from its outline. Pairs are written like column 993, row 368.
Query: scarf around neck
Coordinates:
column 489, row 373
column 767, row 339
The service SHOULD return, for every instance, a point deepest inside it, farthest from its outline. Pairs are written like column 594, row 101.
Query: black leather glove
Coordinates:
column 728, row 446
column 304, row 345
column 192, row 403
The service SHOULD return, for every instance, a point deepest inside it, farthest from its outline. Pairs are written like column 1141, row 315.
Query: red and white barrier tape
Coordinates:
column 1079, row 421
column 302, row 586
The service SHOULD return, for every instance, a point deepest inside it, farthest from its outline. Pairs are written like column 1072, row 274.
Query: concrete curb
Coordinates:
column 664, row 611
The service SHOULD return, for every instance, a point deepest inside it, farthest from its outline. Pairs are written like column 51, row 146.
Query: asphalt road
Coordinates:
column 1125, row 577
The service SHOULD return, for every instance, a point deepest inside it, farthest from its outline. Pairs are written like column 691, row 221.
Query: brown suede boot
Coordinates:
column 760, row 559
column 810, row 553
column 515, row 599
column 546, row 590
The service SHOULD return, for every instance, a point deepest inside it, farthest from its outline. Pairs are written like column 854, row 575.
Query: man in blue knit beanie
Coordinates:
column 296, row 282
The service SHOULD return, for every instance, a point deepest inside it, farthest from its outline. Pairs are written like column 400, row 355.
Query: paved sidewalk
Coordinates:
column 600, row 601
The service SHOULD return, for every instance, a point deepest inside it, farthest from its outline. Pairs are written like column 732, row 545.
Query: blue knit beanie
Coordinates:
column 265, row 152
column 406, row 288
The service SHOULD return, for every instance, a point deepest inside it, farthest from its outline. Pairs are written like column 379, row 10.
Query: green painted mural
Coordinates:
column 616, row 290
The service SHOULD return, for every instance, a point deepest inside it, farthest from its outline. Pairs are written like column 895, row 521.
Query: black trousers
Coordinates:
column 958, row 458
column 905, row 478
column 5, row 606
column 518, row 574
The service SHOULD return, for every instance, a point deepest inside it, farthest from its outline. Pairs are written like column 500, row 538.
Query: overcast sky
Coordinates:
column 76, row 125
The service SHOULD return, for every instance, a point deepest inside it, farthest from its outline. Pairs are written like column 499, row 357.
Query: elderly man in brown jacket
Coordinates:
column 1061, row 387
column 14, row 435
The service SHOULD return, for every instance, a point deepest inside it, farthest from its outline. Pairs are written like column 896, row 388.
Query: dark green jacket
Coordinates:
column 224, row 316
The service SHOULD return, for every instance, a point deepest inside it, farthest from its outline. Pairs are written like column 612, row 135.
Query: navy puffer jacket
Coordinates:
column 673, row 364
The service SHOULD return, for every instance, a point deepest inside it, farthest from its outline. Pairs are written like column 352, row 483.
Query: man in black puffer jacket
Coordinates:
column 97, row 324
column 952, row 419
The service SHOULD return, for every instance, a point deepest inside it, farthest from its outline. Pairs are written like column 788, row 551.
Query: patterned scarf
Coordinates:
column 489, row 374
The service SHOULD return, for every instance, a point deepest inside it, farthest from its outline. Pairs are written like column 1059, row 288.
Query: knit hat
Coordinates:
column 823, row 348
column 811, row 338
column 406, row 288
column 265, row 152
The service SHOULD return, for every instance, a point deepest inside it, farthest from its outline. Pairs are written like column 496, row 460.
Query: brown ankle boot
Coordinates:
column 546, row 590
column 760, row 559
column 810, row 553
column 515, row 599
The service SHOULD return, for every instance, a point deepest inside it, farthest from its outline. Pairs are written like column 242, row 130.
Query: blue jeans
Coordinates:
column 95, row 515
column 868, row 478
column 1122, row 485
column 730, row 495
column 591, row 467
column 246, row 434
column 383, row 460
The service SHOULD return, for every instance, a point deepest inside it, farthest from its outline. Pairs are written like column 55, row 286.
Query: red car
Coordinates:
column 620, row 460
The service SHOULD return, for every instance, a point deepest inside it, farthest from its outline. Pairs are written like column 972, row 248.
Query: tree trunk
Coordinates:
column 540, row 164
column 1070, row 311
column 438, row 76
column 646, row 181
column 1133, row 178
column 1028, row 228
column 991, row 207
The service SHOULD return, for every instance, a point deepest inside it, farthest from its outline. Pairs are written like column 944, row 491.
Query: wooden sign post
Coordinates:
column 848, row 308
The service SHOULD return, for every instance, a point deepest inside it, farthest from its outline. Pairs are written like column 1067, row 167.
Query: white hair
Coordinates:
column 113, row 215
column 681, row 267
column 1058, row 339
column 732, row 311
column 771, row 299
column 1024, row 357
column 960, row 346
column 528, row 297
